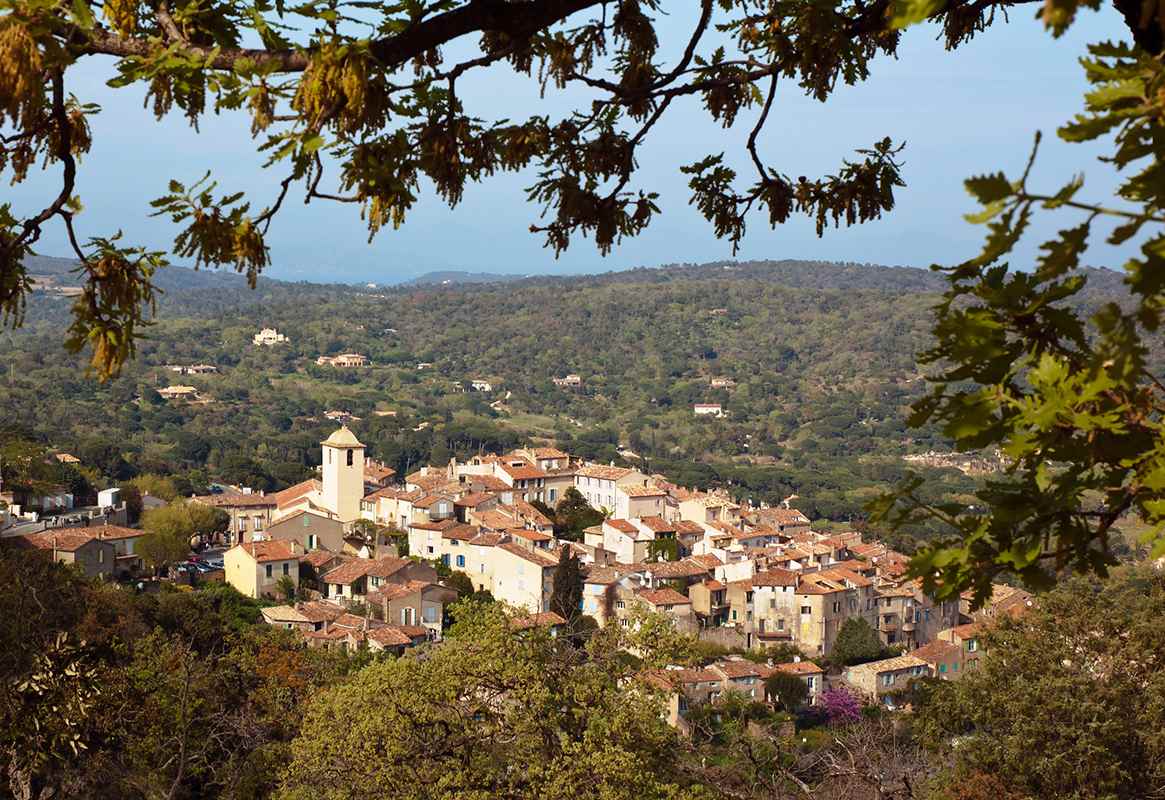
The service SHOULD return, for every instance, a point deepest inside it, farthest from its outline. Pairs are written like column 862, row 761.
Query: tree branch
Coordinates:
column 518, row 20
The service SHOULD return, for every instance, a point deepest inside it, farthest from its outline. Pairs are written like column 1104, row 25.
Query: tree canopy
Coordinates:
column 857, row 642
column 357, row 102
column 1065, row 394
column 1076, row 681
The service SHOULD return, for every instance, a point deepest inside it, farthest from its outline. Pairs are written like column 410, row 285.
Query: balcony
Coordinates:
column 888, row 623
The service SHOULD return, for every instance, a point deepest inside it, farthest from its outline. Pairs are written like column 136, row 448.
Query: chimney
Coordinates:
column 796, row 659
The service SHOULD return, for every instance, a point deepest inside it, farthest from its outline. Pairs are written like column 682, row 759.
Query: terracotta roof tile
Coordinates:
column 276, row 550
column 663, row 597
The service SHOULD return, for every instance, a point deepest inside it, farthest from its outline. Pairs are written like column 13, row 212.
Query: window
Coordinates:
column 888, row 679
column 286, row 568
column 620, row 604
column 429, row 548
column 313, row 541
column 734, row 613
column 781, row 624
column 810, row 681
column 268, row 570
column 329, row 456
column 350, row 454
column 806, row 609
column 100, row 556
column 972, row 645
column 836, row 607
column 406, row 616
column 461, row 561
column 942, row 668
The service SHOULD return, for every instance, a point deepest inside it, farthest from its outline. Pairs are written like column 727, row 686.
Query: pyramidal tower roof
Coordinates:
column 342, row 437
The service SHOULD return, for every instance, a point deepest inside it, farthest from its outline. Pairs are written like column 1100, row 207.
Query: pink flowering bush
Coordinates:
column 841, row 707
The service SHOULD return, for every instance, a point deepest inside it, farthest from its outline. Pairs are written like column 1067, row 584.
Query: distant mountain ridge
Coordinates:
column 450, row 277
column 791, row 273
column 172, row 278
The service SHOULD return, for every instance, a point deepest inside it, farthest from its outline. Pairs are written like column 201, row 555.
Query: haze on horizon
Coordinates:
column 960, row 113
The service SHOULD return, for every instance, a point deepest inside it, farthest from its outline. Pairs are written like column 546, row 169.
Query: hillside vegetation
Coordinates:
column 822, row 356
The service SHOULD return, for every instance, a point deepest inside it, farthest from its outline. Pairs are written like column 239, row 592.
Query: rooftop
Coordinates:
column 342, row 437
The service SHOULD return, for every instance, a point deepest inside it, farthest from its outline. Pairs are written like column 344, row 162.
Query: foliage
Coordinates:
column 287, row 588
column 1070, row 399
column 459, row 582
column 492, row 712
column 663, row 550
column 573, row 515
column 856, row 643
column 169, row 530
column 1076, row 680
column 821, row 353
column 787, row 689
column 841, row 707
column 366, row 116
column 106, row 692
column 160, row 486
column 566, row 597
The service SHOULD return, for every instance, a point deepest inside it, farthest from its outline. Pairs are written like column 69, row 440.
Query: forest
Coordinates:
column 821, row 358
column 107, row 692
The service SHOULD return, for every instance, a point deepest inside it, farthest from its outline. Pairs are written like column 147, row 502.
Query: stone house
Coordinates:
column 79, row 547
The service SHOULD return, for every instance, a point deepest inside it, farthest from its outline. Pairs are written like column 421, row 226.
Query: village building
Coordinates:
column 967, row 639
column 351, row 581
column 413, row 602
column 179, row 392
column 257, row 569
column 340, row 491
column 310, row 530
column 268, row 337
column 343, row 361
column 193, row 369
column 944, row 659
column 78, row 547
column 887, row 680
column 597, row 483
column 250, row 512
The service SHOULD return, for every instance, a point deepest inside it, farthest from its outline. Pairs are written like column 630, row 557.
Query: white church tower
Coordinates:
column 343, row 470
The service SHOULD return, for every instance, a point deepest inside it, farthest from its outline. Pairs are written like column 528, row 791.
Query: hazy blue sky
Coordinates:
column 960, row 113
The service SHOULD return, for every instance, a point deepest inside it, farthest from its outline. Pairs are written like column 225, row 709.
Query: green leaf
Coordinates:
column 989, row 189
column 83, row 15
column 904, row 13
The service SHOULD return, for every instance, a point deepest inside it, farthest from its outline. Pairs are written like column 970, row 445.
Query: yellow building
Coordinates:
column 256, row 568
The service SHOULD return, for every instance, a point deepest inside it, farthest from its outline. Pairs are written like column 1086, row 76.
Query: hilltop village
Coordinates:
column 360, row 557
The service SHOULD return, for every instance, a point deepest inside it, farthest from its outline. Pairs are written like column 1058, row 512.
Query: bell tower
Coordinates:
column 343, row 470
